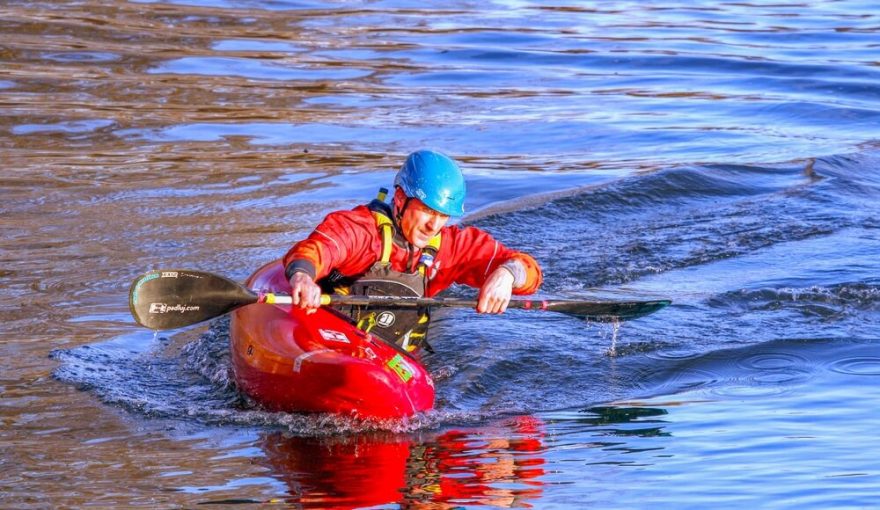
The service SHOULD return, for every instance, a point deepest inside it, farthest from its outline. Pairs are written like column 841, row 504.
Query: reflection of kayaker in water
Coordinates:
column 498, row 469
column 406, row 249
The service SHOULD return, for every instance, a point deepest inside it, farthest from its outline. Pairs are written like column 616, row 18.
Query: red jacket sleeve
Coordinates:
column 469, row 255
column 344, row 240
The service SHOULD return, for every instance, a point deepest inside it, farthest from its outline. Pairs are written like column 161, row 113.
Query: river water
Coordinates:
column 720, row 154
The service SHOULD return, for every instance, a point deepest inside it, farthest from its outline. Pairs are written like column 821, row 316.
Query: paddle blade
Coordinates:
column 174, row 298
column 606, row 311
column 603, row 311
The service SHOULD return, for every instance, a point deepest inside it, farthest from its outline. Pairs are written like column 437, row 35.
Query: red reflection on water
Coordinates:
column 499, row 465
column 346, row 472
column 490, row 466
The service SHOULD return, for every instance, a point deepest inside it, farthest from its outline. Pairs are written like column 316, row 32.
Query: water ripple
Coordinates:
column 860, row 365
column 771, row 361
column 773, row 88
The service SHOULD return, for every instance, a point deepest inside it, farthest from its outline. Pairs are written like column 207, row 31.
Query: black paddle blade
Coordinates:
column 174, row 298
column 595, row 310
column 606, row 311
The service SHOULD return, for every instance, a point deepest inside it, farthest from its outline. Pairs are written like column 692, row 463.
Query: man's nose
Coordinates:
column 434, row 222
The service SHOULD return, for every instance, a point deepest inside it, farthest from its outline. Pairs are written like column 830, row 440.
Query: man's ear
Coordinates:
column 399, row 198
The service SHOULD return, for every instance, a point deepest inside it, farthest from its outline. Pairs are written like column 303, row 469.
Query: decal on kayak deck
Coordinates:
column 334, row 336
column 297, row 363
column 385, row 319
column 400, row 367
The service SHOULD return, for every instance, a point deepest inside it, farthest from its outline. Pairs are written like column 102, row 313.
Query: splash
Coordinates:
column 145, row 374
column 615, row 329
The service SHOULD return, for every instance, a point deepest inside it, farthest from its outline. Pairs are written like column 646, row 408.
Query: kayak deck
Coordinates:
column 288, row 360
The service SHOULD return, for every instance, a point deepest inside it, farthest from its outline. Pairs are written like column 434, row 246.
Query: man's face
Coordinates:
column 419, row 222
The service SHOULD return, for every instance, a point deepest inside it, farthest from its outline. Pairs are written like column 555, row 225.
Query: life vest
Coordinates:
column 407, row 327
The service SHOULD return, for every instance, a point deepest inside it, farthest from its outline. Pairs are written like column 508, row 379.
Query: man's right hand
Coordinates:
column 305, row 292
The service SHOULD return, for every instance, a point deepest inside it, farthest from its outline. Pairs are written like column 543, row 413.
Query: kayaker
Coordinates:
column 406, row 248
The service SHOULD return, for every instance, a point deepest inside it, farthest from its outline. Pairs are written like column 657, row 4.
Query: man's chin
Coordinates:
column 420, row 242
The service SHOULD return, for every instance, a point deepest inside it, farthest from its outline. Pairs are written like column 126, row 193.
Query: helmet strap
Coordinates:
column 398, row 213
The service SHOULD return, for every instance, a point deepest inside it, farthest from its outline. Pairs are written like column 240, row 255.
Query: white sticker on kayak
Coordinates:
column 334, row 336
column 297, row 363
column 385, row 319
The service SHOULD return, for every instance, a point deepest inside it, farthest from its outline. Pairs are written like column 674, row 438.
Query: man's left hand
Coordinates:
column 495, row 293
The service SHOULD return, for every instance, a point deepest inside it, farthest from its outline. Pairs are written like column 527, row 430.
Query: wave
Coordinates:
column 194, row 383
column 826, row 302
column 688, row 216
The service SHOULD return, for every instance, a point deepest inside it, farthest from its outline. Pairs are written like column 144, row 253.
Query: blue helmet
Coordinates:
column 435, row 179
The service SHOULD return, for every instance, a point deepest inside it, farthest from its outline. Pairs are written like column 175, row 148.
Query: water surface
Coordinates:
column 722, row 155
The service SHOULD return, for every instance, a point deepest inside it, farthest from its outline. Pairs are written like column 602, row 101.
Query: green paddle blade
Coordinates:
column 174, row 298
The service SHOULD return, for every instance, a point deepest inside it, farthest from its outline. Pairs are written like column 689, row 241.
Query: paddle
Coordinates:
column 174, row 298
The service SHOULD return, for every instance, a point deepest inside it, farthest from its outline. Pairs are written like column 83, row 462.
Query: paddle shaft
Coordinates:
column 401, row 301
column 590, row 310
column 175, row 298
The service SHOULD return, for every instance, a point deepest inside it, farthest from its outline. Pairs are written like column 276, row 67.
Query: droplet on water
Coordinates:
column 615, row 327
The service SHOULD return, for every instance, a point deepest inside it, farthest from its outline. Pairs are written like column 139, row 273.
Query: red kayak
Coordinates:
column 290, row 361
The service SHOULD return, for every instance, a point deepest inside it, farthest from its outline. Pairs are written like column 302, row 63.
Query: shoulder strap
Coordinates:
column 384, row 224
column 382, row 213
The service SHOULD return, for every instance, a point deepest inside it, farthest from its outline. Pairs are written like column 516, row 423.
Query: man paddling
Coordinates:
column 406, row 248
